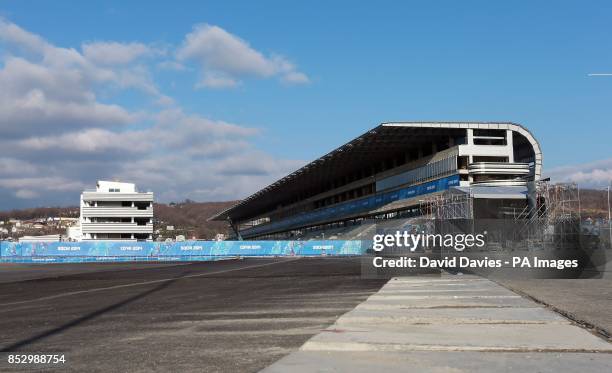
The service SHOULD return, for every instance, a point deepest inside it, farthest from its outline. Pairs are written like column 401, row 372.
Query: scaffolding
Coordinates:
column 448, row 206
column 555, row 219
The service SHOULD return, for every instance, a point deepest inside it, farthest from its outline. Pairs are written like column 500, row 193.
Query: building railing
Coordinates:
column 106, row 211
column 421, row 174
column 110, row 227
column 104, row 196
column 498, row 168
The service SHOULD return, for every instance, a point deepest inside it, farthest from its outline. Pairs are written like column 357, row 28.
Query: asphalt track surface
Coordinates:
column 229, row 316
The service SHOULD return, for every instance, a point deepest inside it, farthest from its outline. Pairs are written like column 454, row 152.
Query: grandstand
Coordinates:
column 387, row 173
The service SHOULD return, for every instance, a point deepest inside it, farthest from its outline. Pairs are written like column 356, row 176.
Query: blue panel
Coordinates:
column 96, row 251
column 351, row 207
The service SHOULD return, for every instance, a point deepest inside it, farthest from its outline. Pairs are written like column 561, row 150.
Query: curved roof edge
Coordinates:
column 483, row 125
column 467, row 125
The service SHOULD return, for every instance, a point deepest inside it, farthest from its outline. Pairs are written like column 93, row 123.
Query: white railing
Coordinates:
column 501, row 183
column 102, row 196
column 498, row 168
column 116, row 228
column 105, row 211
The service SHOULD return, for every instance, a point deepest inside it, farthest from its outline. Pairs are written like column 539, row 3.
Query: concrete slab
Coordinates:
column 382, row 304
column 449, row 324
column 440, row 362
column 442, row 288
column 449, row 282
column 452, row 316
column 586, row 300
column 432, row 290
column 491, row 295
column 459, row 337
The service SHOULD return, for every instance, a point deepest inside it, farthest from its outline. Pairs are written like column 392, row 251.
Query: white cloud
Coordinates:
column 217, row 80
column 58, row 136
column 52, row 91
column 42, row 183
column 174, row 123
column 114, row 53
column 61, row 82
column 26, row 194
column 93, row 140
column 36, row 98
column 296, row 78
column 179, row 156
column 14, row 34
column 595, row 174
column 12, row 166
column 171, row 65
column 220, row 53
column 173, row 131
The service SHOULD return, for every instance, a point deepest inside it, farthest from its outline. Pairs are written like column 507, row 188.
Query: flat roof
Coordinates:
column 366, row 150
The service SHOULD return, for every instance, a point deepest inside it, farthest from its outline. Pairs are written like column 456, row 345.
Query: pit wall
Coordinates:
column 116, row 251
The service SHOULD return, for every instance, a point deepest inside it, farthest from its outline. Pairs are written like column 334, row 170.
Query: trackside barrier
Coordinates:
column 117, row 251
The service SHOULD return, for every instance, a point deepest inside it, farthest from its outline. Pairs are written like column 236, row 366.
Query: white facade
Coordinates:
column 116, row 211
column 490, row 157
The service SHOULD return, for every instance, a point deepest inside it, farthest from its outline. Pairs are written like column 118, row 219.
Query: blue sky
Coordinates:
column 282, row 83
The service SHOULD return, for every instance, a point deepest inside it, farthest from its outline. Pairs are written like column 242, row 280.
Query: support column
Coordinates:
column 470, row 137
column 510, row 145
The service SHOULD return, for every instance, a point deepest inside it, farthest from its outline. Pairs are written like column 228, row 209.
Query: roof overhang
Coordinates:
column 373, row 146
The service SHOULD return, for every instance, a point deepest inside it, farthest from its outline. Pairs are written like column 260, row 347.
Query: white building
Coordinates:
column 116, row 211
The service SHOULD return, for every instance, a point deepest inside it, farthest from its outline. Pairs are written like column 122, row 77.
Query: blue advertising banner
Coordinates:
column 96, row 251
column 360, row 205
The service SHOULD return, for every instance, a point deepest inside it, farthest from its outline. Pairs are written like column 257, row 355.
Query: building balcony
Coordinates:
column 116, row 228
column 498, row 168
column 118, row 212
column 127, row 197
column 501, row 183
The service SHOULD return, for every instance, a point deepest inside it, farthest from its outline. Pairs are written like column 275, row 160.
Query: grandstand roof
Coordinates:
column 372, row 147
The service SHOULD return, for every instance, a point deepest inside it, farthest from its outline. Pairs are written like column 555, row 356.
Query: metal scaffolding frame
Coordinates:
column 448, row 206
column 554, row 220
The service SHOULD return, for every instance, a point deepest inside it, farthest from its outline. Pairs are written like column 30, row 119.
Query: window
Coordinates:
column 490, row 159
column 114, row 190
column 489, row 137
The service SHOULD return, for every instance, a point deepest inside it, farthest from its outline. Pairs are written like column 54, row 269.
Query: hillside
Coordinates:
column 188, row 218
column 594, row 203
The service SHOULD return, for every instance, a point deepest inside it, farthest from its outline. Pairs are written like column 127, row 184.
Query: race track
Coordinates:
column 238, row 315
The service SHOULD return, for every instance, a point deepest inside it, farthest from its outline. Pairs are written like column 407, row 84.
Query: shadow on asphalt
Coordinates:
column 90, row 316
